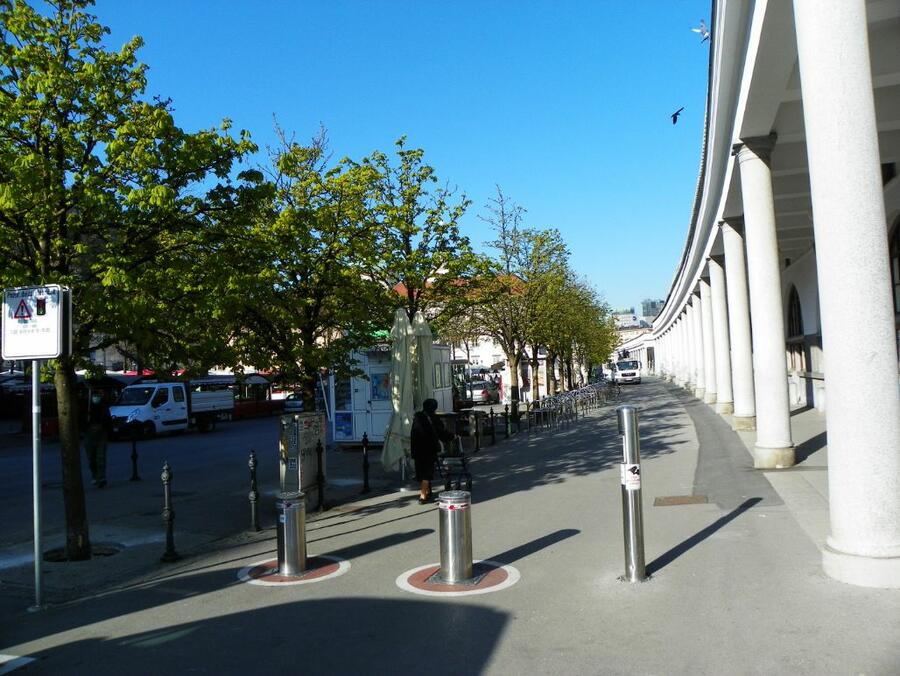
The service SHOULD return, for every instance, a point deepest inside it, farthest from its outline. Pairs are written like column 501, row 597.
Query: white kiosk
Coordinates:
column 362, row 405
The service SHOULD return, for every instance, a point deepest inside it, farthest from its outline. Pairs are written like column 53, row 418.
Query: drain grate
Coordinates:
column 674, row 500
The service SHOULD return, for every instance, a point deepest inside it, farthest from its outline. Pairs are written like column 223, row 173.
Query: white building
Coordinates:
column 788, row 288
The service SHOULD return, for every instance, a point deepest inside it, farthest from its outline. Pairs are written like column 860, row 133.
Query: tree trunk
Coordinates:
column 513, row 378
column 78, row 543
column 535, row 365
column 552, row 384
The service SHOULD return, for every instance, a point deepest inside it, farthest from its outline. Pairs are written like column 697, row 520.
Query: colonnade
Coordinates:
column 725, row 343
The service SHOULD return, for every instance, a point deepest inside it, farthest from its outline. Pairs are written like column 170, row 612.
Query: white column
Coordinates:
column 774, row 446
column 863, row 419
column 689, row 354
column 681, row 372
column 744, row 417
column 724, row 394
column 709, row 356
column 699, row 365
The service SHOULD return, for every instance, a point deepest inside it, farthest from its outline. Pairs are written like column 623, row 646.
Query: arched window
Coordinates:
column 796, row 343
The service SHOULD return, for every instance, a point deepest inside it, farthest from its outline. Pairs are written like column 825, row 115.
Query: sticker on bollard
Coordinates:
column 630, row 476
column 451, row 507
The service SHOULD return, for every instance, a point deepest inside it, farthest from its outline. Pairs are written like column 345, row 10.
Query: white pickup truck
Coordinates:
column 151, row 408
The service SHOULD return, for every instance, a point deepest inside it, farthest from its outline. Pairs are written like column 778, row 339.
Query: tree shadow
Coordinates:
column 589, row 445
column 666, row 558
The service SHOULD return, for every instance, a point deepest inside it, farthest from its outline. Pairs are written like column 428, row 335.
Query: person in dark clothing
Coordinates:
column 95, row 439
column 425, row 444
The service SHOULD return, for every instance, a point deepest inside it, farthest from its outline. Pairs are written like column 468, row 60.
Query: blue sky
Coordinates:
column 565, row 105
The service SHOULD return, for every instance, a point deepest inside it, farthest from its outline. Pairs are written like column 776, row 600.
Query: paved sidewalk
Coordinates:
column 736, row 584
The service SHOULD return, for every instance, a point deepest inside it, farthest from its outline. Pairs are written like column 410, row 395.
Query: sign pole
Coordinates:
column 36, row 324
column 36, row 465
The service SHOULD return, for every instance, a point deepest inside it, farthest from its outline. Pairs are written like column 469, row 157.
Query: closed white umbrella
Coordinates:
column 396, row 438
column 424, row 360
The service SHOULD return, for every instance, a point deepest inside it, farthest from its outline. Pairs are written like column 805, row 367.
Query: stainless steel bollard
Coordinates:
column 291, row 533
column 455, row 530
column 632, row 515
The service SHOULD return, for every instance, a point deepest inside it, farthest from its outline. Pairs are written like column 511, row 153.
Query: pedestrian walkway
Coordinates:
column 736, row 582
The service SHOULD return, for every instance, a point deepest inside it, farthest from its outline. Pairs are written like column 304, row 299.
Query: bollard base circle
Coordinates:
column 625, row 578
column 488, row 576
column 318, row 568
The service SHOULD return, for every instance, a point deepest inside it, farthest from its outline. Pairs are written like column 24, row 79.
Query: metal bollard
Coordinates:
column 506, row 421
column 134, row 474
column 291, row 533
column 254, row 493
column 320, row 474
column 168, row 515
column 455, row 529
column 365, row 447
column 632, row 515
column 493, row 428
column 476, row 420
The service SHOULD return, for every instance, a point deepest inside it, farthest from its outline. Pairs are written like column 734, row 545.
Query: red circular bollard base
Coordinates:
column 487, row 576
column 318, row 568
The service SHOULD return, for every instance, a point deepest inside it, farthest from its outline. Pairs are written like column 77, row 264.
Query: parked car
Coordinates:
column 483, row 392
column 293, row 403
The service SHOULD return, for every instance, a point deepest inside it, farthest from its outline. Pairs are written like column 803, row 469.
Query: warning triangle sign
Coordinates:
column 22, row 312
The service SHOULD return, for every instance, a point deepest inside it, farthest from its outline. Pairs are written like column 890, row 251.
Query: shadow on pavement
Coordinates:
column 510, row 556
column 327, row 636
column 666, row 558
column 810, row 446
column 588, row 446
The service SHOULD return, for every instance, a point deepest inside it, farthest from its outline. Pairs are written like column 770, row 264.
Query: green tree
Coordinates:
column 519, row 298
column 101, row 191
column 302, row 263
column 421, row 252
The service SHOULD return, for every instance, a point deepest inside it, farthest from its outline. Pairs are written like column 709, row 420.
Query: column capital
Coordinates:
column 719, row 259
column 755, row 147
column 736, row 222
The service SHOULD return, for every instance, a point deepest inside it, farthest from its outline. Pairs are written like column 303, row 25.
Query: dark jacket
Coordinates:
column 99, row 416
column 426, row 434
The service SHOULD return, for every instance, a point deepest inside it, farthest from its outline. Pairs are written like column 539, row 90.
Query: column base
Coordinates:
column 862, row 571
column 743, row 423
column 773, row 458
column 725, row 407
column 709, row 397
column 699, row 392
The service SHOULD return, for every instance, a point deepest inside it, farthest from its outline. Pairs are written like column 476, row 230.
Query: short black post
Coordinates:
column 518, row 417
column 476, row 420
column 365, row 447
column 493, row 428
column 254, row 493
column 506, row 421
column 168, row 515
column 320, row 474
column 134, row 458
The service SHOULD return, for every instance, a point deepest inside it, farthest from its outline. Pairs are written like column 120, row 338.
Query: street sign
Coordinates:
column 37, row 322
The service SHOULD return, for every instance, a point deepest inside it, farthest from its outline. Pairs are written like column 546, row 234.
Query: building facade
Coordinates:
column 787, row 293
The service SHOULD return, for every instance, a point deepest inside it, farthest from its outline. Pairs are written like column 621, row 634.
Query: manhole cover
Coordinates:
column 673, row 500
column 98, row 550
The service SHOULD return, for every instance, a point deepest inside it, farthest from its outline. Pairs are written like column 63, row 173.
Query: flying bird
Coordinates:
column 703, row 30
column 676, row 114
